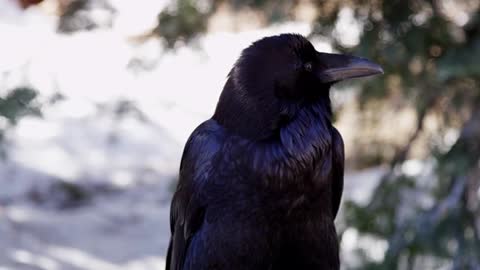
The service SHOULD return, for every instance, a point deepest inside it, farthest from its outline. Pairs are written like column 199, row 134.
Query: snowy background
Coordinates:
column 87, row 185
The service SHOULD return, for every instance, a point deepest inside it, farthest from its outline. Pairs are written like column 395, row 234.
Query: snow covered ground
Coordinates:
column 87, row 186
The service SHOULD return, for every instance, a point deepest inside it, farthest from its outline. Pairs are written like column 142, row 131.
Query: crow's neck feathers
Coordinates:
column 284, row 139
column 300, row 142
column 250, row 117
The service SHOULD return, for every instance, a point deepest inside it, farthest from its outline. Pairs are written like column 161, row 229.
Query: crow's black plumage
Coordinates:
column 261, row 181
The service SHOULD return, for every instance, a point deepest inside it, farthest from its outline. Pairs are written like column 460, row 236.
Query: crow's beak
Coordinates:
column 340, row 67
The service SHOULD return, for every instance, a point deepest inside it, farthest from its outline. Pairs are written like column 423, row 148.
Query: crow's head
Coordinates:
column 275, row 76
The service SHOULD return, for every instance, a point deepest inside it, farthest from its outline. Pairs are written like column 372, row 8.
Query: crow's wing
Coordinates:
column 338, row 166
column 189, row 204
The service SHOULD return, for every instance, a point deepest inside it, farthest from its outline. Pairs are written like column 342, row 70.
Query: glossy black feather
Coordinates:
column 337, row 170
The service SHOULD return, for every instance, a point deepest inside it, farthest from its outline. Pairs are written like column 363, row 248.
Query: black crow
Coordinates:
column 261, row 181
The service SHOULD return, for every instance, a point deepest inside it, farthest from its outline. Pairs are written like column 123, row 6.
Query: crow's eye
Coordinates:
column 308, row 66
